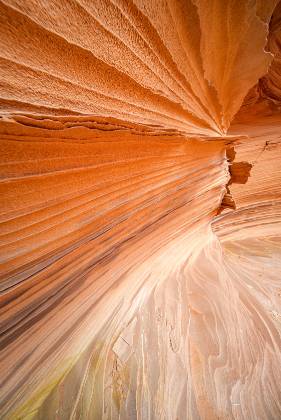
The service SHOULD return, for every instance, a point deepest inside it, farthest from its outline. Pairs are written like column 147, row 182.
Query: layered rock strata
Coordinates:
column 140, row 209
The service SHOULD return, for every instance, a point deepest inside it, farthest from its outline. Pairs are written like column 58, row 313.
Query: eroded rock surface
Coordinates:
column 140, row 218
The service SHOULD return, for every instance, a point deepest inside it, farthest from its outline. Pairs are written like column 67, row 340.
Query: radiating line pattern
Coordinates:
column 140, row 251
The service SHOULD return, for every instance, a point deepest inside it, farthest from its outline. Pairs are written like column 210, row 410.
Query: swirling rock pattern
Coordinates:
column 140, row 209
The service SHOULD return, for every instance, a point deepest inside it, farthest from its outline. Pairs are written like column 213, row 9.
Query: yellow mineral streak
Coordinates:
column 140, row 217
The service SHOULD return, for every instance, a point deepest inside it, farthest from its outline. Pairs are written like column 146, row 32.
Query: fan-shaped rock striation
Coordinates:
column 140, row 218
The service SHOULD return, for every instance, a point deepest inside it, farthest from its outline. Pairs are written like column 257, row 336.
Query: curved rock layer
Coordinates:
column 140, row 209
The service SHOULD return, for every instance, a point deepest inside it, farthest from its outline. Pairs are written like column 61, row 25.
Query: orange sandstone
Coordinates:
column 140, row 215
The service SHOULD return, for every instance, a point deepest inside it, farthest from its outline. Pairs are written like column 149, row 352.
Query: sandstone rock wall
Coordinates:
column 140, row 209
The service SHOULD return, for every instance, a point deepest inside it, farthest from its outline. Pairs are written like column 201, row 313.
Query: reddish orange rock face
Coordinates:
column 140, row 225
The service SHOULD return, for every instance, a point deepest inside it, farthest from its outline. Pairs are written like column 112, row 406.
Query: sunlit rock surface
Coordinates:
column 140, row 219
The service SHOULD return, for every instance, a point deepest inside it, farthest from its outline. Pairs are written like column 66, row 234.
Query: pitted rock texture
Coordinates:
column 140, row 218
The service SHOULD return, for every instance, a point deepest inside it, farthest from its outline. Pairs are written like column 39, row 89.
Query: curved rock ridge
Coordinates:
column 140, row 217
column 158, row 65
